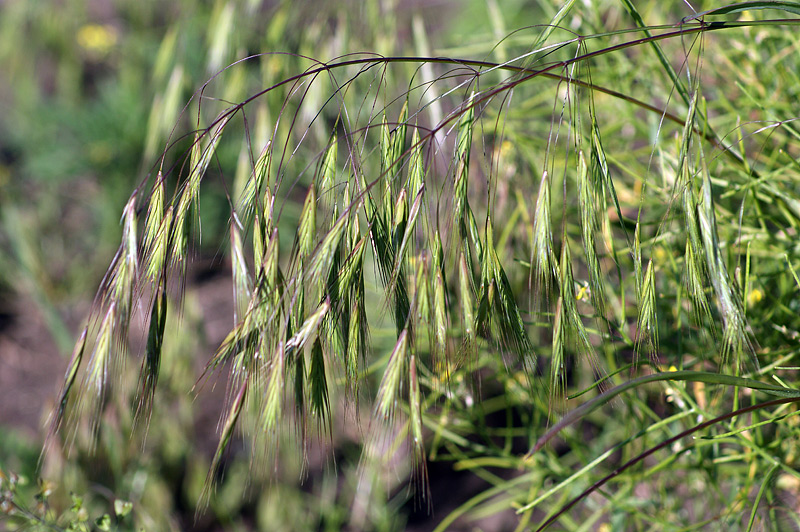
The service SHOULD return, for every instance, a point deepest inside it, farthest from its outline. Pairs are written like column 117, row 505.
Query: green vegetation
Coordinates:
column 546, row 279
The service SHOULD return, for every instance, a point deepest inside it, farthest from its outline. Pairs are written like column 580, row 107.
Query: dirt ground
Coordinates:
column 32, row 368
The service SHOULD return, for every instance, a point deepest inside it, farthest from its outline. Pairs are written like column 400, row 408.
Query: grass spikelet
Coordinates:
column 439, row 320
column 647, row 324
column 473, row 235
column 399, row 220
column 395, row 280
column 570, row 307
column 734, row 331
column 225, row 439
column 465, row 292
column 181, row 228
column 542, row 260
column 272, row 410
column 513, row 327
column 97, row 375
column 233, row 344
column 254, row 186
column 262, row 230
column 695, row 271
column 69, row 381
column 126, row 267
column 408, row 230
column 638, row 272
column 416, row 170
column 318, row 384
column 151, row 362
column 186, row 212
column 201, row 155
column 304, row 244
column 323, row 257
column 386, row 146
column 389, row 389
column 558, row 376
column 351, row 269
column 387, row 170
column 695, row 285
column 601, row 177
column 396, row 287
column 242, row 289
column 300, row 406
column 600, row 171
column 686, row 138
column 398, row 135
column 155, row 212
column 440, row 300
column 460, row 182
column 415, row 422
column 309, row 327
column 156, row 257
column 327, row 174
column 589, row 230
column 243, row 343
column 356, row 338
column 270, row 266
column 498, row 310
column 307, row 228
column 423, row 293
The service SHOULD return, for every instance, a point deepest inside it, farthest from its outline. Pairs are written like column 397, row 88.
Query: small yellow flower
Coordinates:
column 755, row 296
column 584, row 294
column 97, row 38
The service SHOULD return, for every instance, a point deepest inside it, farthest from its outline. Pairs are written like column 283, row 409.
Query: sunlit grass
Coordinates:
column 545, row 233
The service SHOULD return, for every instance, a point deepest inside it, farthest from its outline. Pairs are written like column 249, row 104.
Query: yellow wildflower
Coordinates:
column 97, row 38
column 755, row 296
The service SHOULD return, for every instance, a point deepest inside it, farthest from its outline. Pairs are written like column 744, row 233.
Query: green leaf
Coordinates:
column 678, row 376
column 789, row 7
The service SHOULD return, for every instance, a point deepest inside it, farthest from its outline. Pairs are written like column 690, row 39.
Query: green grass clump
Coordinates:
column 566, row 267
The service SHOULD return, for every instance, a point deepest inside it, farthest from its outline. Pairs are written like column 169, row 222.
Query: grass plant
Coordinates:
column 567, row 268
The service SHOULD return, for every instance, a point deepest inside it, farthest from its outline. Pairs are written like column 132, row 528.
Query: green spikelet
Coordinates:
column 542, row 260
column 320, row 402
column 389, row 389
column 461, row 178
column 465, row 292
column 224, row 440
column 589, row 231
column 416, row 170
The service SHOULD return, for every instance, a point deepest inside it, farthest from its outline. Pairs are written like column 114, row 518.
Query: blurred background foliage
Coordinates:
column 93, row 92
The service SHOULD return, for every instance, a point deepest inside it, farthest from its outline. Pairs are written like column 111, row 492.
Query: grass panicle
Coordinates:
column 356, row 251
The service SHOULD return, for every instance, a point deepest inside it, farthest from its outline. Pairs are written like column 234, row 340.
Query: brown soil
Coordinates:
column 32, row 368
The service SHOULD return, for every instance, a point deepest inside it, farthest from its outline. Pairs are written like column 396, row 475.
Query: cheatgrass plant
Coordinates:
column 494, row 257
